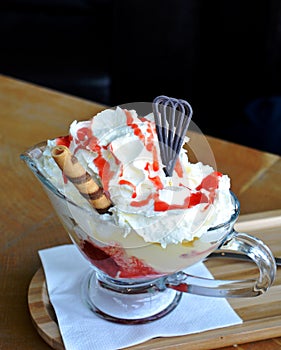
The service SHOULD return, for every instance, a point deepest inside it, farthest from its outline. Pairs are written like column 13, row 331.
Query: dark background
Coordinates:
column 224, row 57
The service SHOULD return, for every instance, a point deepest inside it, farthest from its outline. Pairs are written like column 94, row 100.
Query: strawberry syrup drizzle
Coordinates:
column 86, row 140
column 209, row 183
column 128, row 183
column 178, row 169
column 64, row 140
column 149, row 144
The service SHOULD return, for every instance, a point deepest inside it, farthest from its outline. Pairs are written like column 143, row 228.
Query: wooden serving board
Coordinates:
column 261, row 315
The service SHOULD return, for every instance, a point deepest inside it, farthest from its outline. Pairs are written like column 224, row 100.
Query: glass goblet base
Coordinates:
column 127, row 303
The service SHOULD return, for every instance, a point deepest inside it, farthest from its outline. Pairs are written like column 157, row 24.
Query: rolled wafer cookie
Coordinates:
column 80, row 178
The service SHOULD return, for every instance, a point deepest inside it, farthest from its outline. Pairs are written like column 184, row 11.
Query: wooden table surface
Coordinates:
column 30, row 114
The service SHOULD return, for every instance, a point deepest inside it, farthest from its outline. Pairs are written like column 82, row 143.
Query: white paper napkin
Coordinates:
column 81, row 329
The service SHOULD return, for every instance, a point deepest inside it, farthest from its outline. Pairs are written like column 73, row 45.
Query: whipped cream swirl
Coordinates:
column 120, row 149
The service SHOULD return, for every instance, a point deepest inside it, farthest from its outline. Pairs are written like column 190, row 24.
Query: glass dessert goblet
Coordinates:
column 132, row 281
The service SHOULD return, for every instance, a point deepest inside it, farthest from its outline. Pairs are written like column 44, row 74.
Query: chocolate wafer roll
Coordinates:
column 81, row 179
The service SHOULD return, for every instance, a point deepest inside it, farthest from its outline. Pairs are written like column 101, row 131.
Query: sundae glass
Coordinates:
column 140, row 213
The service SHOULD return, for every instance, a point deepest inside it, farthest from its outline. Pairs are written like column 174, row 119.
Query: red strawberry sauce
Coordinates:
column 114, row 261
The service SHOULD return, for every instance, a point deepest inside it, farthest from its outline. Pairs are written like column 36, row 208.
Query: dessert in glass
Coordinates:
column 138, row 224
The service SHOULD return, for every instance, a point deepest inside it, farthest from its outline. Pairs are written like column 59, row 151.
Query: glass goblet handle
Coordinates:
column 237, row 242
